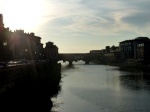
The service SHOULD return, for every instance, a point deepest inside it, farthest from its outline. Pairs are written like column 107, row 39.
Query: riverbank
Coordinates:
column 128, row 66
column 29, row 87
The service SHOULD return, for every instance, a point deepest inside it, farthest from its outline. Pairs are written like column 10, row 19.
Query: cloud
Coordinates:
column 139, row 14
column 88, row 18
column 139, row 19
column 79, row 17
column 95, row 23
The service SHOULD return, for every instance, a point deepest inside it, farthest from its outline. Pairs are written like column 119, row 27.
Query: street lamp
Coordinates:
column 5, row 44
column 35, row 57
column 26, row 50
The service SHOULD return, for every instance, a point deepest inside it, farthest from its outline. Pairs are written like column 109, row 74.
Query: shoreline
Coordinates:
column 128, row 67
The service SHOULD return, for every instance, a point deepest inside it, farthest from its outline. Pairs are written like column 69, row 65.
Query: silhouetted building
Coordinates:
column 112, row 55
column 136, row 49
column 114, row 48
column 19, row 45
column 127, row 49
column 107, row 49
column 51, row 51
column 4, row 37
column 26, row 46
column 95, row 51
column 37, row 46
column 1, row 23
column 1, row 37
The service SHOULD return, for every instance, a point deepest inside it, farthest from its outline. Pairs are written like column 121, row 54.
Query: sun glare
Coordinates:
column 19, row 14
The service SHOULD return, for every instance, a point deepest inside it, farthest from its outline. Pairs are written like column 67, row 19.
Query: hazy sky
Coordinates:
column 79, row 25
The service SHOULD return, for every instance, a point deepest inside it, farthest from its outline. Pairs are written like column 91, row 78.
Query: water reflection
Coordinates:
column 136, row 81
column 100, row 88
column 26, row 100
column 30, row 95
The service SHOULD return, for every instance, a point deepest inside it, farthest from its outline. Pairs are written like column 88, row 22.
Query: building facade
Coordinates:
column 19, row 45
column 1, row 23
column 136, row 49
column 51, row 51
column 126, row 49
column 26, row 46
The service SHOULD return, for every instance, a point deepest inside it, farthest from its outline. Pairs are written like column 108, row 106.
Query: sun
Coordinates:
column 19, row 14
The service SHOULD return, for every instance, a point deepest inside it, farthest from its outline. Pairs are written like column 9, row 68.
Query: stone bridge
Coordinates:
column 70, row 57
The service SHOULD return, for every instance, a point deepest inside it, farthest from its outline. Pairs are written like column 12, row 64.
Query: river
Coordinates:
column 102, row 88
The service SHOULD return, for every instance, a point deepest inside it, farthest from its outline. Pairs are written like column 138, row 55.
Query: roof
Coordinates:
column 137, row 39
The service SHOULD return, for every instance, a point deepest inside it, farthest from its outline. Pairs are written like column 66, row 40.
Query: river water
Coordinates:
column 101, row 88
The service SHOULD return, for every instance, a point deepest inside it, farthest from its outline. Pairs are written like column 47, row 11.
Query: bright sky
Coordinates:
column 77, row 26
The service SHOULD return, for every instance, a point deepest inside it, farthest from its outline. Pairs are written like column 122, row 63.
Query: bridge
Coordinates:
column 70, row 57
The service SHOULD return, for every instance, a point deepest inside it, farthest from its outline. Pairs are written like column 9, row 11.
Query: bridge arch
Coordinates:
column 70, row 57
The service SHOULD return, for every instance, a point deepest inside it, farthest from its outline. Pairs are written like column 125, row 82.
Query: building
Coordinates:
column 25, row 45
column 136, row 49
column 36, row 46
column 4, row 33
column 51, row 51
column 127, row 49
column 95, row 51
column 1, row 23
column 112, row 55
column 20, row 45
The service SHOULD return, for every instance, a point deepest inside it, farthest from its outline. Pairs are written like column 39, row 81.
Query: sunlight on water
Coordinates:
column 100, row 88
